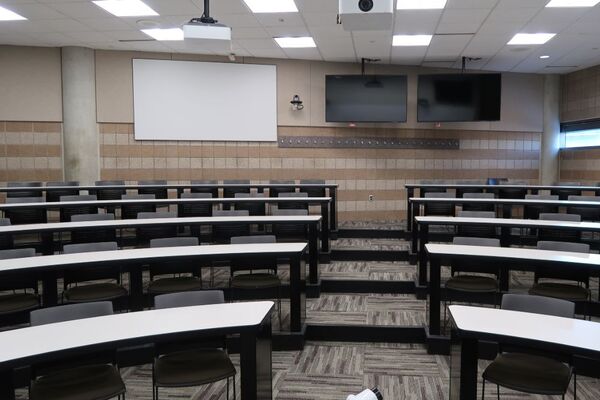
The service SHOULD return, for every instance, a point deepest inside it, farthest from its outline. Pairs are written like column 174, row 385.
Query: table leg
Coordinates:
column 415, row 237
column 423, row 240
column 49, row 289
column 297, row 295
column 7, row 391
column 333, row 208
column 256, row 363
column 313, row 254
column 409, row 215
column 434, row 295
column 136, row 288
column 463, row 370
column 325, row 227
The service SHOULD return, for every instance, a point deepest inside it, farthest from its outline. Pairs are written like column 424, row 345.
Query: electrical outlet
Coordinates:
column 370, row 197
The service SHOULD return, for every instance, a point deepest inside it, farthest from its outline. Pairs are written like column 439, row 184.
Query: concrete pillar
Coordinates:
column 81, row 153
column 550, row 146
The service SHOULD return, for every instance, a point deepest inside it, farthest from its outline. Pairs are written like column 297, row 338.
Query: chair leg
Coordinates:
column 234, row 395
column 574, row 386
column 279, row 306
column 227, row 388
column 483, row 390
column 498, row 391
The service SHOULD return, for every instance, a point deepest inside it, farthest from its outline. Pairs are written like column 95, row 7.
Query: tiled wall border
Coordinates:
column 367, row 142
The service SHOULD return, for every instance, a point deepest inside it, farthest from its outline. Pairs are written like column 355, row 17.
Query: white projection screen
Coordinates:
column 189, row 100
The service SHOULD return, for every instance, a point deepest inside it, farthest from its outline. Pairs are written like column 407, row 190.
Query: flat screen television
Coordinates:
column 372, row 98
column 459, row 97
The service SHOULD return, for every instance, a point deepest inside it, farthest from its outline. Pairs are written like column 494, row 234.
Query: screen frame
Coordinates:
column 369, row 76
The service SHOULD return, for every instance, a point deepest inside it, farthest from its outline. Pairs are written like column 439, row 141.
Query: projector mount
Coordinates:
column 205, row 18
column 367, row 60
column 467, row 59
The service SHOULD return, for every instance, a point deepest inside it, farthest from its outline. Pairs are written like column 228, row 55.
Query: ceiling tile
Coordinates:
column 447, row 46
column 462, row 20
column 416, row 22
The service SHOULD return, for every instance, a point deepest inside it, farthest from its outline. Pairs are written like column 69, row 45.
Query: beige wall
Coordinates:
column 30, row 84
column 580, row 95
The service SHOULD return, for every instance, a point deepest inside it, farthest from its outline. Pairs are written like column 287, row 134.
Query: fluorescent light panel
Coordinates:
column 165, row 34
column 544, row 57
column 572, row 3
column 295, row 42
column 7, row 15
column 126, row 8
column 531, row 38
column 411, row 40
column 271, row 6
column 421, row 4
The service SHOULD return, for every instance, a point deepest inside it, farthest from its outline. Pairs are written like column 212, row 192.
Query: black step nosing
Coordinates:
column 366, row 333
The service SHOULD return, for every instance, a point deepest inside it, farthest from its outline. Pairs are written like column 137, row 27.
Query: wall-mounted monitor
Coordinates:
column 459, row 97
column 359, row 98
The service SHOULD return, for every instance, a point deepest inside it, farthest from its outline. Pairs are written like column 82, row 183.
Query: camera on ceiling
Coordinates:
column 365, row 5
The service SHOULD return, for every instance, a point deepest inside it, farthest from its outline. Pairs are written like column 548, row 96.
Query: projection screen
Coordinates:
column 189, row 100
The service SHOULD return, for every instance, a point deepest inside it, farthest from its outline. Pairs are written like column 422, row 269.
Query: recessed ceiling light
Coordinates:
column 531, row 38
column 544, row 57
column 572, row 3
column 411, row 40
column 295, row 42
column 421, row 4
column 7, row 15
column 165, row 34
column 126, row 8
column 271, row 6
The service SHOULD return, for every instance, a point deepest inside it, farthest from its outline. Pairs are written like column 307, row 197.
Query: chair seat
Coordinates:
column 255, row 281
column 176, row 284
column 98, row 382
column 192, row 368
column 529, row 373
column 472, row 283
column 95, row 292
column 560, row 290
column 18, row 302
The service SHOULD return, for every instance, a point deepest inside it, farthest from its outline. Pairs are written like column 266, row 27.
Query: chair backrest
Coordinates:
column 67, row 212
column 147, row 233
column 563, row 246
column 511, row 193
column 231, row 191
column 275, row 191
column 157, row 214
column 474, row 265
column 584, row 198
column 279, row 211
column 130, row 211
column 475, row 195
column 79, row 197
column 92, row 217
column 444, row 209
column 6, row 241
column 195, row 209
column 586, row 213
column 26, row 215
column 70, row 312
column 254, row 208
column 93, row 234
column 476, row 214
column 293, row 205
column 293, row 194
column 188, row 299
column 115, row 182
column 476, row 241
column 158, row 192
column 54, row 194
column 253, row 239
column 153, row 182
column 563, row 273
column 214, row 191
column 477, row 230
column 89, row 247
column 541, row 197
column 137, row 196
column 533, row 211
column 18, row 281
column 11, row 200
column 560, row 217
column 64, row 183
column 253, row 262
column 538, row 305
column 110, row 194
column 223, row 232
column 24, row 193
column 290, row 231
column 475, row 206
column 24, row 184
column 17, row 253
column 313, row 191
column 175, row 242
column 563, row 235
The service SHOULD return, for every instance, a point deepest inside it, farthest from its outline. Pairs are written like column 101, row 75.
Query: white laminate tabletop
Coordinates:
column 536, row 327
column 484, row 186
column 38, row 340
column 144, row 255
column 534, row 223
column 169, row 186
column 133, row 223
column 514, row 253
column 462, row 200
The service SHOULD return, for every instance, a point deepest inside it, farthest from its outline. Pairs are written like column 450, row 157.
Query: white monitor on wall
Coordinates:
column 188, row 100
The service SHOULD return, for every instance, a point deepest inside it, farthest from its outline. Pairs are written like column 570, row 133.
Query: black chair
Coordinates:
column 313, row 191
column 147, row 233
column 290, row 232
column 460, row 192
column 559, row 235
column 293, row 206
column 193, row 363
column 531, row 373
column 591, row 214
column 31, row 215
column 563, row 193
column 222, row 233
column 93, row 235
column 478, row 207
column 511, row 193
column 471, row 279
column 109, row 194
column 231, row 191
column 6, row 241
column 54, row 195
column 258, row 274
column 253, row 207
column 89, row 377
column 195, row 209
column 214, row 191
column 130, row 211
column 534, row 211
column 99, row 283
column 439, row 209
column 67, row 212
column 24, row 192
column 171, row 277
column 22, row 289
column 546, row 280
column 275, row 191
column 485, row 231
column 159, row 193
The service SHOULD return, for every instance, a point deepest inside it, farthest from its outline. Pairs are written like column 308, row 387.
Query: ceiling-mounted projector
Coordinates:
column 366, row 15
column 207, row 32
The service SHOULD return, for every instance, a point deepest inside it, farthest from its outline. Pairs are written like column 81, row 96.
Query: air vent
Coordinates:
column 136, row 40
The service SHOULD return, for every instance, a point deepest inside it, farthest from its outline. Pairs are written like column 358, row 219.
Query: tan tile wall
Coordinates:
column 581, row 165
column 358, row 172
column 30, row 151
column 581, row 95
